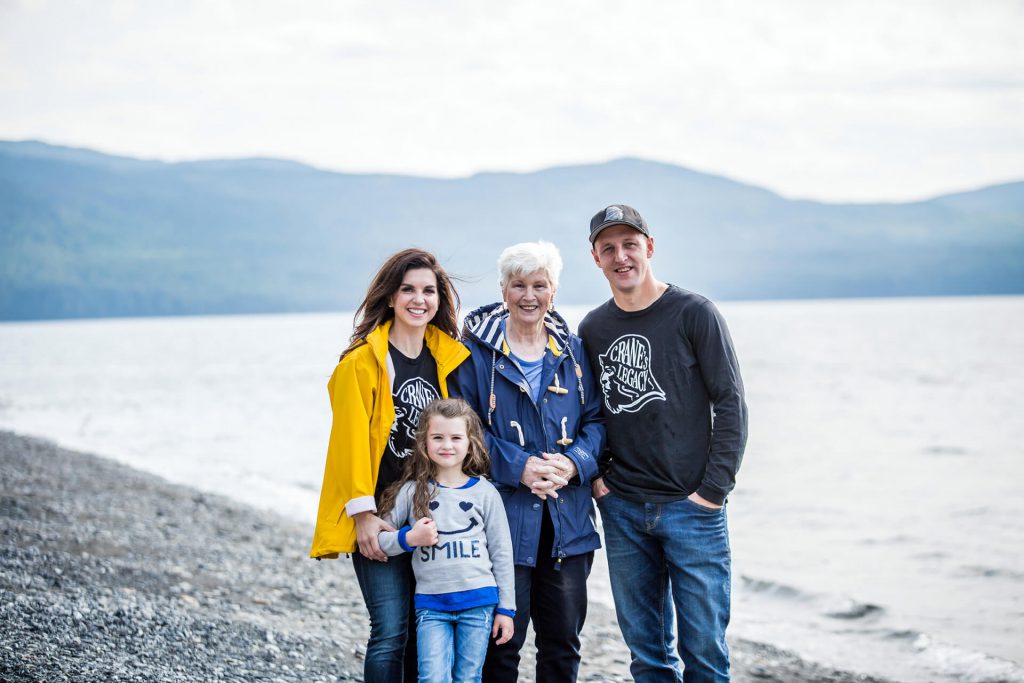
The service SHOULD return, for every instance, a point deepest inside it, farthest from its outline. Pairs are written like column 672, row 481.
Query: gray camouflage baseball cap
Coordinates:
column 617, row 214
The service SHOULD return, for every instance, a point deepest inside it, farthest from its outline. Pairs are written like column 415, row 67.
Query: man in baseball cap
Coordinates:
column 676, row 417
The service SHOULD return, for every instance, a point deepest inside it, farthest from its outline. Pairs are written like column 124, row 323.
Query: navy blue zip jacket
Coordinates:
column 517, row 427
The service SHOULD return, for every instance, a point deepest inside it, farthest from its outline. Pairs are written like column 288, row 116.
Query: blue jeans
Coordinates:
column 452, row 645
column 387, row 589
column 663, row 556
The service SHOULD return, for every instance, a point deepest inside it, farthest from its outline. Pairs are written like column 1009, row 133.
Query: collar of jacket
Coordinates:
column 447, row 352
column 485, row 325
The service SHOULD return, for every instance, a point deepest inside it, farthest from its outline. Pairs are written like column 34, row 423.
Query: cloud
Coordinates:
column 828, row 100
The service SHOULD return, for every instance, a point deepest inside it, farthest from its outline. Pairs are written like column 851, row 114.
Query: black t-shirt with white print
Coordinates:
column 415, row 386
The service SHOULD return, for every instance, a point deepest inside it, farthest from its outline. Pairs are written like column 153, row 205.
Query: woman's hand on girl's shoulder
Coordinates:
column 423, row 532
column 503, row 628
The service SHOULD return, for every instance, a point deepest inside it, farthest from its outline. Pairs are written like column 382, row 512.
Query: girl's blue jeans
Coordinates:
column 452, row 645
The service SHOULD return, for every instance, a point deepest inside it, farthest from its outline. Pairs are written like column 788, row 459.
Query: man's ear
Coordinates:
column 650, row 247
column 597, row 260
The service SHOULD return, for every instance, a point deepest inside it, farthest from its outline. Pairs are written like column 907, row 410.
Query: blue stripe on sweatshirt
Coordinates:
column 459, row 600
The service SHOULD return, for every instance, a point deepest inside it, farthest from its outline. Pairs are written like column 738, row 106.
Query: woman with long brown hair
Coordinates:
column 398, row 360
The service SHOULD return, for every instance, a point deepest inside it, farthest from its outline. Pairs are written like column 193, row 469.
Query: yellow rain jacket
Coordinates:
column 360, row 391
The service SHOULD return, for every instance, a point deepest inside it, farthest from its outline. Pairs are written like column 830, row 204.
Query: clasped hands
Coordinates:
column 547, row 473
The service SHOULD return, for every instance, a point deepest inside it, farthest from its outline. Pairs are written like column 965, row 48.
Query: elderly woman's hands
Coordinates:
column 545, row 475
column 542, row 477
column 563, row 462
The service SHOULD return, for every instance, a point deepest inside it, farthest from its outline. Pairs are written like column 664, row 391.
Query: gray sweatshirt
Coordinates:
column 471, row 565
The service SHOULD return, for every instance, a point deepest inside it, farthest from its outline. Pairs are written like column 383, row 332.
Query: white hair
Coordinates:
column 527, row 257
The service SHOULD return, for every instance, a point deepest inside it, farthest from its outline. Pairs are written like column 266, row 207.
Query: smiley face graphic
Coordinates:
column 466, row 506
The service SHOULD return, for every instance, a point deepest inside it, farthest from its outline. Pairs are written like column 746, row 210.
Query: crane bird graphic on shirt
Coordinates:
column 410, row 400
column 626, row 378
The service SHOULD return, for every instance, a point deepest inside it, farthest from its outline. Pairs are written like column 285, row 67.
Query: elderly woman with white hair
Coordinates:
column 528, row 378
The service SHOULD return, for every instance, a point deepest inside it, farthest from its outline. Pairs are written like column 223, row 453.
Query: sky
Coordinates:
column 832, row 100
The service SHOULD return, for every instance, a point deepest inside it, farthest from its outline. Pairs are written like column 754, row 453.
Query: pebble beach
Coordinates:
column 111, row 574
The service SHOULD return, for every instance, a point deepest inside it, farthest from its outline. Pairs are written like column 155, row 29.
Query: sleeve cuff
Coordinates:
column 582, row 460
column 360, row 504
column 401, row 538
column 507, row 612
column 713, row 495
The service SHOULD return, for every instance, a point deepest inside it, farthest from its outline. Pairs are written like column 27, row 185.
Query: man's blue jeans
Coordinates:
column 387, row 589
column 452, row 645
column 662, row 555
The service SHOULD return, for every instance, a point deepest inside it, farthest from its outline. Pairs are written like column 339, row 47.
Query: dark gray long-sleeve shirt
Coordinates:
column 673, row 398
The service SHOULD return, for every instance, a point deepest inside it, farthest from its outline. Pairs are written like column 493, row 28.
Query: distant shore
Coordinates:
column 111, row 574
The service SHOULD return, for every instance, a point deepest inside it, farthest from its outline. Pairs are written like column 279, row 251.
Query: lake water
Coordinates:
column 878, row 521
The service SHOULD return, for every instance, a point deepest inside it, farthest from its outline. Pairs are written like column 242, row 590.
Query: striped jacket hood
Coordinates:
column 485, row 324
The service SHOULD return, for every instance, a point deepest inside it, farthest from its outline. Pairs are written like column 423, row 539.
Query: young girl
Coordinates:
column 401, row 353
column 456, row 530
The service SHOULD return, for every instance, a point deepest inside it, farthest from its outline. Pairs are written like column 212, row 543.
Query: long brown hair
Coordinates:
column 374, row 311
column 421, row 469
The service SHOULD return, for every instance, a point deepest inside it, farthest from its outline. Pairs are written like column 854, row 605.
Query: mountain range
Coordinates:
column 86, row 234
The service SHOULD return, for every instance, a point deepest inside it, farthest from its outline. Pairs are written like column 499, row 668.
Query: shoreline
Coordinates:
column 109, row 573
